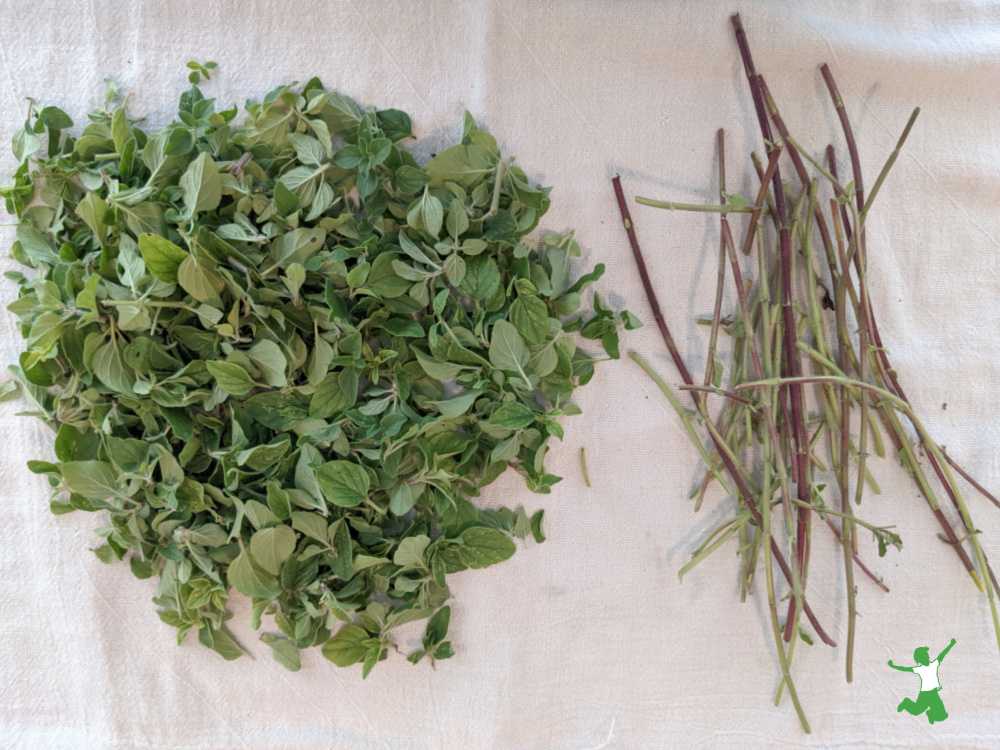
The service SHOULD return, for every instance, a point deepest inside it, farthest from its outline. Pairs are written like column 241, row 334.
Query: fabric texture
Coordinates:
column 588, row 640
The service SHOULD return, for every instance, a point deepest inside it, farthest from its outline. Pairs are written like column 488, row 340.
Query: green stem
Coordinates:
column 671, row 206
column 681, row 412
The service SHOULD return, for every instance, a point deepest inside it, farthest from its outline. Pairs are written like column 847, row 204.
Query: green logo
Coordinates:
column 929, row 699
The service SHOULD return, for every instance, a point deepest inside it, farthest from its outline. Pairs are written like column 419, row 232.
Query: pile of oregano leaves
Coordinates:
column 282, row 355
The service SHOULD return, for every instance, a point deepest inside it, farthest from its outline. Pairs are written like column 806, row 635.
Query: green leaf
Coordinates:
column 24, row 144
column 109, row 365
column 717, row 372
column 347, row 647
column 144, row 218
column 410, row 552
column 461, row 164
column 530, row 317
column 337, row 391
column 536, row 526
column 507, row 349
column 93, row 211
column 456, row 406
column 437, row 627
column 9, row 390
column 284, row 652
column 86, row 298
column 383, row 279
column 199, row 280
column 276, row 409
column 285, row 201
column 201, row 185
column 209, row 535
column 307, row 149
column 278, row 501
column 442, row 371
column 270, row 547
column 96, row 480
column 231, row 378
column 223, row 643
column 631, row 321
column 401, row 499
column 55, row 119
column 268, row 356
column 310, row 524
column 340, row 114
column 343, row 483
column 342, row 565
column 482, row 278
column 162, row 257
column 483, row 547
column 250, row 580
column 35, row 245
column 454, row 269
column 513, row 416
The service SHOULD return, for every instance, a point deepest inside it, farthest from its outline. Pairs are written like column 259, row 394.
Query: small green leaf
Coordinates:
column 483, row 547
column 513, row 416
column 201, row 185
column 347, row 647
column 343, row 483
column 530, row 317
column 162, row 257
column 270, row 547
column 231, row 378
column 250, row 580
column 284, row 652
column 410, row 552
column 97, row 480
column 507, row 349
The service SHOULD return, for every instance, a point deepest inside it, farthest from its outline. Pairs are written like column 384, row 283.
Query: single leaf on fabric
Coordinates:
column 221, row 641
column 284, row 652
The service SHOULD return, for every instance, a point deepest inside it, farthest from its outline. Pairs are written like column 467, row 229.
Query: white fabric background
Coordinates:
column 588, row 640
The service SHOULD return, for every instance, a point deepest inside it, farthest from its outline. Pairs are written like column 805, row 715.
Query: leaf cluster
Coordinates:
column 282, row 356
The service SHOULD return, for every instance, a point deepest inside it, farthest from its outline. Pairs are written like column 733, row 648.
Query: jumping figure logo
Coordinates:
column 929, row 699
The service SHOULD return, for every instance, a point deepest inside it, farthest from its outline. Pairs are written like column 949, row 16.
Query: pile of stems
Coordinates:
column 765, row 443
